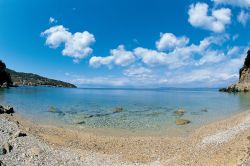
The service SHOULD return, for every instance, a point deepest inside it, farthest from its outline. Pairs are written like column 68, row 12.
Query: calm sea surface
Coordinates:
column 143, row 111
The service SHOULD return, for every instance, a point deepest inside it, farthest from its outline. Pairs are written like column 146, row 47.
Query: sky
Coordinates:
column 127, row 43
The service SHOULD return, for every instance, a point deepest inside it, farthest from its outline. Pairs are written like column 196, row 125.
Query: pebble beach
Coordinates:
column 225, row 142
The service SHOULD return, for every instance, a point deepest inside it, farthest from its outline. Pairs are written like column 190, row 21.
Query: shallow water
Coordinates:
column 145, row 111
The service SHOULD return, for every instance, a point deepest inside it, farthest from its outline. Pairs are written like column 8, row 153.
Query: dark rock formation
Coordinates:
column 244, row 80
column 5, row 78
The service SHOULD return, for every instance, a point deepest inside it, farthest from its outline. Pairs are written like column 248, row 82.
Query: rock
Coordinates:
column 2, row 164
column 8, row 110
column 243, row 84
column 180, row 112
column 118, row 109
column 19, row 134
column 82, row 122
column 5, row 78
column 7, row 147
column 2, row 151
column 182, row 121
column 204, row 110
column 4, row 85
column 52, row 109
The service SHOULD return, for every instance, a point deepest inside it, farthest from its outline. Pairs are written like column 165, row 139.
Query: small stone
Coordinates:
column 118, row 109
column 7, row 147
column 204, row 110
column 180, row 112
column 19, row 134
column 248, row 137
column 2, row 151
column 81, row 122
column 182, row 121
column 2, row 164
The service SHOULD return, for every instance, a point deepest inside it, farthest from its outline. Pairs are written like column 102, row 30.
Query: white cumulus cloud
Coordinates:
column 119, row 56
column 76, row 45
column 169, row 41
column 199, row 17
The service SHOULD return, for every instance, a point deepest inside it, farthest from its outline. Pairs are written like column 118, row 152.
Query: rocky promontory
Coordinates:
column 244, row 78
column 5, row 78
column 10, row 78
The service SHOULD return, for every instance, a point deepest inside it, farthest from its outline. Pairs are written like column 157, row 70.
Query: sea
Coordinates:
column 138, row 111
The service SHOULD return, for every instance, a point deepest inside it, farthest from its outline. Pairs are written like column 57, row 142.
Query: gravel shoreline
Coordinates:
column 226, row 142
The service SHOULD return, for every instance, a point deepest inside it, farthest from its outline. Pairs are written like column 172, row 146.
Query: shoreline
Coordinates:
column 224, row 142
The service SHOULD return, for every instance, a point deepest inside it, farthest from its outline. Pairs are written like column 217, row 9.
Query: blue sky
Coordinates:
column 127, row 43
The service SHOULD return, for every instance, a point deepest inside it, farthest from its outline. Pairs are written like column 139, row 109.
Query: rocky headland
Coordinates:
column 9, row 78
column 244, row 78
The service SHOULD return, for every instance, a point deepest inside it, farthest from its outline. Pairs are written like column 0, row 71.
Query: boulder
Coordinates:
column 182, row 121
column 118, row 109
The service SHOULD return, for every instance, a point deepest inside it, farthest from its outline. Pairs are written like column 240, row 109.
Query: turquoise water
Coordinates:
column 143, row 110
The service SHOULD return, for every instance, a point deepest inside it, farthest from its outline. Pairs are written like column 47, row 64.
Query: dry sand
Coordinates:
column 225, row 142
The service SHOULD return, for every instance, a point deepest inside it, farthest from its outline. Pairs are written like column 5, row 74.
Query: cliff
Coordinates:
column 10, row 77
column 244, row 78
column 5, row 78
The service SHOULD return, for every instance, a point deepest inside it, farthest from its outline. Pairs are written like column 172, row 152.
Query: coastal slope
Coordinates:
column 29, row 79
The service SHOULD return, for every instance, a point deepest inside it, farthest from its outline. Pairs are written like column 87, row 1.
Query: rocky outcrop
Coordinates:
column 5, row 78
column 244, row 78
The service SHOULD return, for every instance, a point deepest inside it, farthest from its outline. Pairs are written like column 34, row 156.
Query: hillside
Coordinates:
column 29, row 79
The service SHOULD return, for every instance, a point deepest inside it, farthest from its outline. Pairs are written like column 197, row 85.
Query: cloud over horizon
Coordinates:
column 76, row 45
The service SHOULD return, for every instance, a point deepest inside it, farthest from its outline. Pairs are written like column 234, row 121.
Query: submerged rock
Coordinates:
column 204, row 110
column 53, row 109
column 118, row 109
column 182, row 121
column 81, row 122
column 180, row 112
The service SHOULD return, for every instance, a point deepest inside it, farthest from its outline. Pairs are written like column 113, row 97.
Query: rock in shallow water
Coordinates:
column 118, row 109
column 182, row 121
column 180, row 112
column 6, row 110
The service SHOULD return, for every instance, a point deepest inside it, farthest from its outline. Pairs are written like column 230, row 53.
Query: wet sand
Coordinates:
column 225, row 142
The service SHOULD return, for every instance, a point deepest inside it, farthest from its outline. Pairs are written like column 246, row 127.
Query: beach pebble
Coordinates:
column 2, row 151
column 182, row 121
column 19, row 134
column 7, row 147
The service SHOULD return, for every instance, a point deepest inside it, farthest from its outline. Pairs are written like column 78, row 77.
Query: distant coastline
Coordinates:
column 30, row 79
